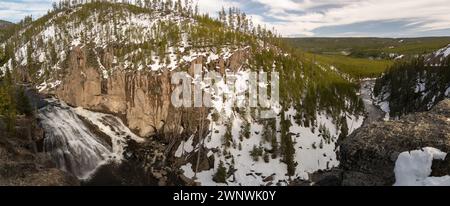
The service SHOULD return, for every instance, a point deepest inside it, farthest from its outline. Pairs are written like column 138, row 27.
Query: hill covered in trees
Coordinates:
column 117, row 58
column 415, row 85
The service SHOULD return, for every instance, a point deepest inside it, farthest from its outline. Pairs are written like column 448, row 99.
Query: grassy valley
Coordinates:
column 365, row 57
column 356, row 67
column 370, row 47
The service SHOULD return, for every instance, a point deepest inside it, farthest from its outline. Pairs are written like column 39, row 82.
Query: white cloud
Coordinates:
column 299, row 17
column 426, row 15
column 17, row 10
column 212, row 7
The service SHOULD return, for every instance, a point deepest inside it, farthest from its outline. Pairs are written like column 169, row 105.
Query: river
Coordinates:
column 373, row 112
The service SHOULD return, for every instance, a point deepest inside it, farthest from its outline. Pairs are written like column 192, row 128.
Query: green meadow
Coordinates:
column 364, row 57
column 356, row 67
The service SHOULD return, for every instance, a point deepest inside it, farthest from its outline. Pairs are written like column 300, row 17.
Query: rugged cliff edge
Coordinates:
column 23, row 162
column 368, row 155
column 141, row 98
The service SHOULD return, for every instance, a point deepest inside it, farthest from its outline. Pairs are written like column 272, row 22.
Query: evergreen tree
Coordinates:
column 7, row 101
column 221, row 174
column 287, row 145
column 23, row 103
column 344, row 128
column 256, row 152
column 228, row 137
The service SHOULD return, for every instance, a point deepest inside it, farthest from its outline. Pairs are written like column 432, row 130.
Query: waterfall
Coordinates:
column 74, row 147
column 71, row 144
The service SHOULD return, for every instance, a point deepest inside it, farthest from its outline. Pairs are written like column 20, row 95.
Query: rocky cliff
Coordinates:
column 23, row 161
column 141, row 98
column 368, row 156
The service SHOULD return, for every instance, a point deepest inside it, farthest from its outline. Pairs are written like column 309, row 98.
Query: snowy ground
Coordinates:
column 414, row 168
column 313, row 151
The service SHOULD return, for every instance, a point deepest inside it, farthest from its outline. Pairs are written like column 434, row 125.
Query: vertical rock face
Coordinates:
column 141, row 98
column 82, row 86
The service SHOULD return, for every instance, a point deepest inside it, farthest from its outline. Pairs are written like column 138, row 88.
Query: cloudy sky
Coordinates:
column 380, row 18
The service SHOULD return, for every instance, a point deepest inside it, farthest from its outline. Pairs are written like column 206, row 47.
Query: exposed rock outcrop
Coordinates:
column 368, row 156
column 141, row 98
column 373, row 150
column 144, row 165
column 22, row 161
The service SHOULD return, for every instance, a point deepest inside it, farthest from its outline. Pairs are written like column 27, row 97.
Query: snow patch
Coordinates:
column 414, row 168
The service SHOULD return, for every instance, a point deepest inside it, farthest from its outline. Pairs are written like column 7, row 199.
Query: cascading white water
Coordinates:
column 71, row 144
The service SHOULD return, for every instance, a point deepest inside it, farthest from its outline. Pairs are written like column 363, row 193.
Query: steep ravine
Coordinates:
column 373, row 112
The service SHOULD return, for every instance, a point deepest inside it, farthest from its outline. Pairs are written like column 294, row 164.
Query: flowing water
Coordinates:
column 73, row 147
column 373, row 112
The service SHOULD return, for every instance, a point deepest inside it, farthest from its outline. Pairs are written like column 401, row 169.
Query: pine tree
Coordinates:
column 287, row 145
column 23, row 103
column 221, row 174
column 7, row 102
column 228, row 137
column 245, row 132
column 256, row 152
column 344, row 128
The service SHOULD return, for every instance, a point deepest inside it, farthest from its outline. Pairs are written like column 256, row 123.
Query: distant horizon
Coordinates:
column 310, row 18
column 362, row 37
column 328, row 37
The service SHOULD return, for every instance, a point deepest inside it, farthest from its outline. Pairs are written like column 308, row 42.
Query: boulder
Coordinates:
column 368, row 155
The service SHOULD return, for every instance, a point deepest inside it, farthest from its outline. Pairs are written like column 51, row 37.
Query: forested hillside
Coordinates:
column 415, row 85
column 117, row 58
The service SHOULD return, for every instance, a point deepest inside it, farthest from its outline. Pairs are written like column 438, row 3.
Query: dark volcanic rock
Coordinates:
column 22, row 162
column 368, row 155
column 144, row 165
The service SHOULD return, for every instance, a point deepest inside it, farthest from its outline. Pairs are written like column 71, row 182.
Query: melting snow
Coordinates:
column 185, row 147
column 445, row 52
column 414, row 168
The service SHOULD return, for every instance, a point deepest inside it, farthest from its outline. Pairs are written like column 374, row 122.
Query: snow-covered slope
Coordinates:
column 142, row 39
column 439, row 56
column 315, row 146
column 417, row 85
column 314, row 151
